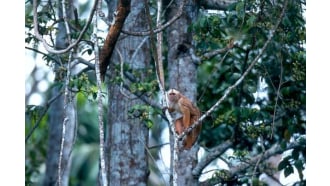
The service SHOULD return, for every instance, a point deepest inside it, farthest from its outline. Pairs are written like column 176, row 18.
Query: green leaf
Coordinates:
column 298, row 164
column 283, row 164
column 288, row 170
column 295, row 154
column 149, row 123
column 250, row 22
column 240, row 9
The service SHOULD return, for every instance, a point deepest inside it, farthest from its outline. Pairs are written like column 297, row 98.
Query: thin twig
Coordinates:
column 46, row 107
column 49, row 56
column 158, row 146
column 213, row 53
column 276, row 100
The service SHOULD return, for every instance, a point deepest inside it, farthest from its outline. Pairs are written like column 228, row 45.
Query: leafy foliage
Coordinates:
column 270, row 102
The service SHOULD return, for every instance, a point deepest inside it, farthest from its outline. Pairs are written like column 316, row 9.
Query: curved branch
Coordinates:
column 123, row 9
column 49, row 48
column 213, row 53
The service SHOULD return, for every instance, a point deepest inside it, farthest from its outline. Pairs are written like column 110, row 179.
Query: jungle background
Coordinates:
column 256, row 135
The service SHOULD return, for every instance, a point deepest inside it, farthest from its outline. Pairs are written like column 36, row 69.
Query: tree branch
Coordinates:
column 215, row 152
column 123, row 10
column 49, row 56
column 276, row 99
column 213, row 53
column 49, row 48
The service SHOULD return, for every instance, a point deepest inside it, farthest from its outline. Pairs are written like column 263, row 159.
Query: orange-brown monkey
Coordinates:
column 190, row 113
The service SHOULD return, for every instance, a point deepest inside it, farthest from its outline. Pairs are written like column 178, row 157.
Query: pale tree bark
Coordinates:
column 54, row 139
column 62, row 112
column 183, row 77
column 127, row 138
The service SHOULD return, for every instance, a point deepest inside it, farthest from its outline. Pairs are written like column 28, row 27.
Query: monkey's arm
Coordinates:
column 185, row 115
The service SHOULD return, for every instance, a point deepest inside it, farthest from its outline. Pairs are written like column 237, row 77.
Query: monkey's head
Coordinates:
column 173, row 95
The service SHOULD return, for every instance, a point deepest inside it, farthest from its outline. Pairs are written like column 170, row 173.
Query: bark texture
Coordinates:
column 127, row 137
column 54, row 139
column 122, row 12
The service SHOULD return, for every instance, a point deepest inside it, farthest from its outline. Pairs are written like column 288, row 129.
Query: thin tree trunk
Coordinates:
column 61, row 114
column 54, row 139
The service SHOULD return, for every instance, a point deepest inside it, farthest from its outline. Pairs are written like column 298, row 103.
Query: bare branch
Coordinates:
column 44, row 42
column 215, row 152
column 276, row 100
column 219, row 51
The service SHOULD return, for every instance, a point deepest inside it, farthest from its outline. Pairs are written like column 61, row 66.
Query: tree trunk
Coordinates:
column 54, row 139
column 183, row 77
column 58, row 112
column 127, row 138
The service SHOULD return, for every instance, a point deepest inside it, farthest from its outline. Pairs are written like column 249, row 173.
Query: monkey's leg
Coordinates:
column 179, row 126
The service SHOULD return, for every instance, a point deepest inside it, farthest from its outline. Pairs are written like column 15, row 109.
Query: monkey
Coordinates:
column 190, row 114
